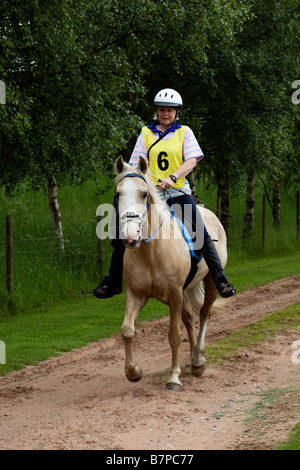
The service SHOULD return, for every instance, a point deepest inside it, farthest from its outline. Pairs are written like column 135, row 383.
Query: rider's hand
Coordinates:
column 167, row 183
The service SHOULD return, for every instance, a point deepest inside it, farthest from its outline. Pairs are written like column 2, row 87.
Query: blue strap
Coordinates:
column 132, row 175
column 140, row 176
column 187, row 237
column 135, row 175
column 184, row 231
column 183, row 228
column 150, row 238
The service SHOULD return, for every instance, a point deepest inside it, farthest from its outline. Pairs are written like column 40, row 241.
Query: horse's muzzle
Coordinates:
column 131, row 229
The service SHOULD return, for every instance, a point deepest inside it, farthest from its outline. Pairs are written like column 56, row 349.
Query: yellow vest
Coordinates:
column 165, row 157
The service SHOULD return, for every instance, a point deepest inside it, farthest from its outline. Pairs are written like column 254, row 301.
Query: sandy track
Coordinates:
column 82, row 399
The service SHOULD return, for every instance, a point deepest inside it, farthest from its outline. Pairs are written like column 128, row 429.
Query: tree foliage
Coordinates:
column 80, row 79
column 248, row 122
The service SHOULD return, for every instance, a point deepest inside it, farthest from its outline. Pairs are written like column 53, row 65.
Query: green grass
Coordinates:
column 260, row 270
column 278, row 240
column 268, row 397
column 293, row 442
column 69, row 325
column 268, row 327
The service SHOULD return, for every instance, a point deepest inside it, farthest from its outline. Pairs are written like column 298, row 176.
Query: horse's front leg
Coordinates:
column 133, row 307
column 175, row 342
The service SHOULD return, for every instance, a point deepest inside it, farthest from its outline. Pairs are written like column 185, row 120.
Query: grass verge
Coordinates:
column 293, row 442
column 267, row 328
column 70, row 325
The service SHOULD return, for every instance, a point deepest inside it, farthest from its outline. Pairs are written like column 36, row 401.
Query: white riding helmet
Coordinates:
column 168, row 97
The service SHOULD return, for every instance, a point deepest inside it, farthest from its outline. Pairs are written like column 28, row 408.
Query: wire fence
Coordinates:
column 40, row 269
column 34, row 270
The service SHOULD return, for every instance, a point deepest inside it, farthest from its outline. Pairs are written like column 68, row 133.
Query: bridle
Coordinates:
column 134, row 216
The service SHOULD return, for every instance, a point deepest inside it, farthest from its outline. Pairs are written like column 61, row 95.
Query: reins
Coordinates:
column 197, row 200
column 202, row 202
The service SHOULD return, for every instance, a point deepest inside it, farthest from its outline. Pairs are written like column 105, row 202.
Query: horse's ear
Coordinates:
column 142, row 165
column 119, row 166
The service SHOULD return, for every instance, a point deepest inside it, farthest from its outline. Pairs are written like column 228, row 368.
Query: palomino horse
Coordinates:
column 158, row 267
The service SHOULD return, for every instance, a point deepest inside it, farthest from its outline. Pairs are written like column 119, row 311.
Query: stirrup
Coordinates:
column 226, row 289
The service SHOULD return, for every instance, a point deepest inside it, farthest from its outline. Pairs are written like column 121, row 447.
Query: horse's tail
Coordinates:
column 193, row 299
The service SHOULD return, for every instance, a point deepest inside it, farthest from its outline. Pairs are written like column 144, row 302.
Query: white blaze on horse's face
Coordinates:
column 132, row 195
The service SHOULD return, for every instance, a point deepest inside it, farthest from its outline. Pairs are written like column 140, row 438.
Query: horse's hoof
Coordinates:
column 198, row 371
column 134, row 376
column 173, row 386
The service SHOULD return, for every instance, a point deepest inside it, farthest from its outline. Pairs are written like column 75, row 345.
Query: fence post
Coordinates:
column 298, row 215
column 9, row 255
column 264, row 223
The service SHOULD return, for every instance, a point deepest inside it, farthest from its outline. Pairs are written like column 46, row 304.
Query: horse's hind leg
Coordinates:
column 199, row 360
column 187, row 318
column 133, row 307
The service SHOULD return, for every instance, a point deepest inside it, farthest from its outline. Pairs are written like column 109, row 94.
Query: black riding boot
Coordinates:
column 213, row 262
column 112, row 283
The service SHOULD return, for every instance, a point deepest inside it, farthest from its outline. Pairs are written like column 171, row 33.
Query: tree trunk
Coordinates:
column 55, row 212
column 223, row 194
column 276, row 203
column 249, row 209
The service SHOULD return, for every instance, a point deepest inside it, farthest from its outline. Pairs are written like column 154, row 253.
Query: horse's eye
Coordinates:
column 144, row 195
column 117, row 195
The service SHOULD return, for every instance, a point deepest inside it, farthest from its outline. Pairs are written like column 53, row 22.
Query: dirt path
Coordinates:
column 82, row 399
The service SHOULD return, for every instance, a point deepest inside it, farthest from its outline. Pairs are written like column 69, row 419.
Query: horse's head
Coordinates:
column 133, row 200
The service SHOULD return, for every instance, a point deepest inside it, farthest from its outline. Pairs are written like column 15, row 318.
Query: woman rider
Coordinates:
column 172, row 152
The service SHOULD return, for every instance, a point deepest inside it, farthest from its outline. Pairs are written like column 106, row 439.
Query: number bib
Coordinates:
column 166, row 156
